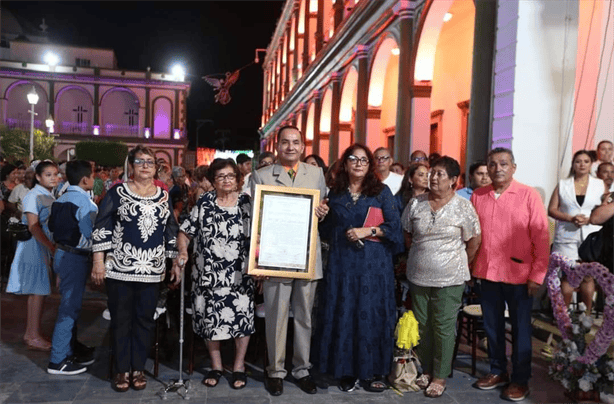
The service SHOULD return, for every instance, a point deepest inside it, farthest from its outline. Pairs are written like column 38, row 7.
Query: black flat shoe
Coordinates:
column 274, row 385
column 308, row 385
column 214, row 375
column 238, row 377
column 347, row 384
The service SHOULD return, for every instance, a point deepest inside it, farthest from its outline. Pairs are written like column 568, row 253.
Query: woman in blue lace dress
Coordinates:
column 30, row 268
column 356, row 320
column 135, row 232
column 222, row 292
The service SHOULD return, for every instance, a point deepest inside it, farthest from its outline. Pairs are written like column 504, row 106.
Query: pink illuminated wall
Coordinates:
column 162, row 112
column 452, row 73
column 326, row 111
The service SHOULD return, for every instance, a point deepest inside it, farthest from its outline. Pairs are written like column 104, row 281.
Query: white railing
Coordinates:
column 81, row 128
column 22, row 124
column 111, row 129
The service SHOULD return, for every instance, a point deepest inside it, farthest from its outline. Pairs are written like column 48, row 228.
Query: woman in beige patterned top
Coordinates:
column 443, row 235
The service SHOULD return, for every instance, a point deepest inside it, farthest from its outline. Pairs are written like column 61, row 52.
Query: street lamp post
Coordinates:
column 33, row 100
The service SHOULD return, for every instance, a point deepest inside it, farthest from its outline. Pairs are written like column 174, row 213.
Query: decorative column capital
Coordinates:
column 403, row 9
column 301, row 107
column 316, row 94
column 361, row 51
column 335, row 76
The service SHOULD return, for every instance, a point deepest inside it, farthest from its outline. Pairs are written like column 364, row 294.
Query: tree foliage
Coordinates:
column 16, row 144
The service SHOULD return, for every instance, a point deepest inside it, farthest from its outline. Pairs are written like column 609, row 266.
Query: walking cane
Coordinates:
column 179, row 386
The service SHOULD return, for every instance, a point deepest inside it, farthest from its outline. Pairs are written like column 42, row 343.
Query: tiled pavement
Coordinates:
column 23, row 377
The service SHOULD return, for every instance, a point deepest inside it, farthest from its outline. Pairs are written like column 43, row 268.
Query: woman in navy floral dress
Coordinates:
column 222, row 292
column 355, row 337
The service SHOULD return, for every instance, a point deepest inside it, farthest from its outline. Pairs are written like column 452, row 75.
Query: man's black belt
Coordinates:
column 73, row 250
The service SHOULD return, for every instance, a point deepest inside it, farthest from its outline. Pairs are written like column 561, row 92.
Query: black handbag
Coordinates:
column 599, row 246
column 590, row 249
column 19, row 231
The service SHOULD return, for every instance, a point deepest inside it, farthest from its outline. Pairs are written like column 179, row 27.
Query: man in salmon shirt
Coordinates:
column 511, row 263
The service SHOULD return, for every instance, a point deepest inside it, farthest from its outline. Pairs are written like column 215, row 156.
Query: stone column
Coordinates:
column 306, row 38
column 176, row 122
column 402, row 137
column 147, row 107
column 362, row 94
column 333, row 139
column 287, row 70
column 339, row 8
column 479, row 136
column 96, row 104
column 303, row 117
column 296, row 51
column 317, row 100
column 320, row 27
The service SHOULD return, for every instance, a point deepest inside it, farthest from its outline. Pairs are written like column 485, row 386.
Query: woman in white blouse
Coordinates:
column 571, row 204
column 443, row 234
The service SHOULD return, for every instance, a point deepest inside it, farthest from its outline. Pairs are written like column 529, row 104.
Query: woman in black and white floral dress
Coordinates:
column 222, row 292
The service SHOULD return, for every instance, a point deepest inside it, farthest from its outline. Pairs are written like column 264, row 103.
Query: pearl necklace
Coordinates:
column 355, row 196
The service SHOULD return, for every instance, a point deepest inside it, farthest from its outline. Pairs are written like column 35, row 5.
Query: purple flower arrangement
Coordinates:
column 576, row 364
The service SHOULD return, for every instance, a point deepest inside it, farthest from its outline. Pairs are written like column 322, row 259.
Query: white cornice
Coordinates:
column 361, row 28
column 280, row 29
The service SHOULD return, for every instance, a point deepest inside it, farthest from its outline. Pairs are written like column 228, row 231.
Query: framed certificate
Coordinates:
column 284, row 232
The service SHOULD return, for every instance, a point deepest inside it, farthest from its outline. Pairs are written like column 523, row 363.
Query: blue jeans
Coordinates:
column 73, row 270
column 494, row 297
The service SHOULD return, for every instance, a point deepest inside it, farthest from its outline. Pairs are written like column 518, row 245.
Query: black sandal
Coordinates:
column 374, row 385
column 238, row 377
column 213, row 374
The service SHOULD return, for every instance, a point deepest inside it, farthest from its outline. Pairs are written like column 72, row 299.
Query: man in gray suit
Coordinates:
column 279, row 293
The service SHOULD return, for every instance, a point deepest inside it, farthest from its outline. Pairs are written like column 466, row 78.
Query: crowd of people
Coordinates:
column 158, row 223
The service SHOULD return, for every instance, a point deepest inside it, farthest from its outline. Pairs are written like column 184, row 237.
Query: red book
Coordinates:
column 374, row 218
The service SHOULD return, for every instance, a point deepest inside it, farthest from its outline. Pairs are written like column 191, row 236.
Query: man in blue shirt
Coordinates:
column 71, row 221
column 478, row 177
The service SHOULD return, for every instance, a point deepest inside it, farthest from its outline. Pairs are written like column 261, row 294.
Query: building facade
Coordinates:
column 457, row 77
column 89, row 98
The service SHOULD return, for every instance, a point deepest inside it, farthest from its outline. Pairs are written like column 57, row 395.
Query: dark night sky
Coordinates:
column 207, row 37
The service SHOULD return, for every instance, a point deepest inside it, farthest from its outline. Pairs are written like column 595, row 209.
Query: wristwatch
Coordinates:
column 373, row 231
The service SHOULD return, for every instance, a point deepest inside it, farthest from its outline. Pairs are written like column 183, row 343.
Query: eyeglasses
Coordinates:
column 141, row 162
column 229, row 177
column 382, row 158
column 419, row 159
column 358, row 161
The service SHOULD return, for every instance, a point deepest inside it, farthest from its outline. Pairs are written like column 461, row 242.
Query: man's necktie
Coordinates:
column 291, row 173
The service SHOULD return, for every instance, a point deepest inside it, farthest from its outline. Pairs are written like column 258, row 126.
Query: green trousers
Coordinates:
column 436, row 310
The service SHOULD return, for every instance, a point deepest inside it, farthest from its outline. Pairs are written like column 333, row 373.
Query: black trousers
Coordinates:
column 132, row 306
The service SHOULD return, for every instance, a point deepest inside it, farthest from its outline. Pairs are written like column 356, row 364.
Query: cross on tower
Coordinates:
column 80, row 112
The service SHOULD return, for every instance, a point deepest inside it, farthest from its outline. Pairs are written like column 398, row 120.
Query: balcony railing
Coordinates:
column 22, row 124
column 111, row 129
column 81, row 128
